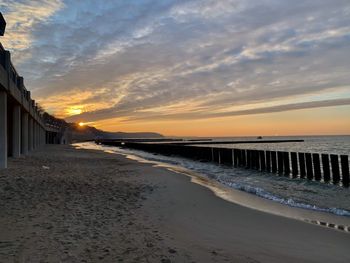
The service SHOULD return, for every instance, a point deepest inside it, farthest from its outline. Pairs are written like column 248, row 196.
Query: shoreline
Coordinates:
column 245, row 199
column 70, row 205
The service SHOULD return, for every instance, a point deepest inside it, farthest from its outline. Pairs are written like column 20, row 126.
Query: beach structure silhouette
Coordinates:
column 24, row 126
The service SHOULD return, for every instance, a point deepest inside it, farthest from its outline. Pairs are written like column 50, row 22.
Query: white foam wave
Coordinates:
column 213, row 171
column 242, row 180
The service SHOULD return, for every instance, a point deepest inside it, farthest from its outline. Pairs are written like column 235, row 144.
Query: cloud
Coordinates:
column 133, row 58
column 22, row 17
column 262, row 110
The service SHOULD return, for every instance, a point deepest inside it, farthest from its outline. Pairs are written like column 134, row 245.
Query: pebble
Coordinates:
column 172, row 251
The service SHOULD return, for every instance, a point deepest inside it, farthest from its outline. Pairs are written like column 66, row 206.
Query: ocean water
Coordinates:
column 300, row 193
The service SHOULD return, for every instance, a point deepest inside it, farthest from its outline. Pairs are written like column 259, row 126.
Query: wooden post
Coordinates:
column 309, row 170
column 222, row 155
column 280, row 162
column 235, row 157
column 262, row 161
column 205, row 153
column 274, row 161
column 345, row 170
column 286, row 163
column 226, row 156
column 326, row 169
column 249, row 161
column 243, row 156
column 253, row 153
column 216, row 154
column 239, row 158
column 257, row 158
column 295, row 169
column 268, row 161
column 317, row 166
column 257, row 163
column 252, row 159
column 335, row 168
column 302, row 164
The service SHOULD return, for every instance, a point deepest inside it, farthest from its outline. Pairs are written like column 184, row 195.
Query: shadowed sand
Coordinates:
column 61, row 204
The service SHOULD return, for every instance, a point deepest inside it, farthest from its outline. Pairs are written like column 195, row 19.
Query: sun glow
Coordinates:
column 74, row 111
column 81, row 124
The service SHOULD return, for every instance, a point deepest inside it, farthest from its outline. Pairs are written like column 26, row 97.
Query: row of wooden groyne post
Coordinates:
column 327, row 168
column 24, row 127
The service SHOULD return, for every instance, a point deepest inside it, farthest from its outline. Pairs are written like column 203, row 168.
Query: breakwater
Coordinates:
column 326, row 168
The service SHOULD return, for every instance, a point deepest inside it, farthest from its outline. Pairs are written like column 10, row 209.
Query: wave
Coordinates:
column 277, row 189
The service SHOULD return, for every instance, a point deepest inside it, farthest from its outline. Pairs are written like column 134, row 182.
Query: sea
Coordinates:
column 300, row 193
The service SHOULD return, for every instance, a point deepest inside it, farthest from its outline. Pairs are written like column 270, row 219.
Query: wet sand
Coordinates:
column 61, row 204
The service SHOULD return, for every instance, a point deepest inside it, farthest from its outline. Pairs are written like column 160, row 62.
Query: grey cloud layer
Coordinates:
column 138, row 55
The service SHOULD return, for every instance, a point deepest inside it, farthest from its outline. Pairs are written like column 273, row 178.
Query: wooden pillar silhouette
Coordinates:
column 273, row 161
column 243, row 157
column 345, row 170
column 235, row 157
column 249, row 159
column 335, row 168
column 280, row 162
column 294, row 159
column 286, row 163
column 308, row 162
column 325, row 168
column 262, row 161
column 302, row 165
column 317, row 166
column 268, row 161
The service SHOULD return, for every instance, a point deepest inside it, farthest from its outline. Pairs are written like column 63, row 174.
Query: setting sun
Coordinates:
column 81, row 124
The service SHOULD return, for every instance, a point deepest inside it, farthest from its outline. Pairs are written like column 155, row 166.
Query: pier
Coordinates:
column 24, row 126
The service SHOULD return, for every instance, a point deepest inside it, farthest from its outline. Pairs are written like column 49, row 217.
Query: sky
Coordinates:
column 187, row 68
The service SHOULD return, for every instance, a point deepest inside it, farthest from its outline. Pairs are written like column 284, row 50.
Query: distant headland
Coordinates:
column 84, row 133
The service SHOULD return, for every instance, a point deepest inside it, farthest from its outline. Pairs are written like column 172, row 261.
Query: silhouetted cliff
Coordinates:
column 82, row 133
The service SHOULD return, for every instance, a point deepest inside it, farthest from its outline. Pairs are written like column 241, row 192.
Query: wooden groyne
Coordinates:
column 23, row 124
column 327, row 168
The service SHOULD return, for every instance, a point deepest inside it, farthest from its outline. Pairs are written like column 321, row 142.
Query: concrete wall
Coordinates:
column 22, row 127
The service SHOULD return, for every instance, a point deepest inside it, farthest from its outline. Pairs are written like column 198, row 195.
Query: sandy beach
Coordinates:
column 61, row 204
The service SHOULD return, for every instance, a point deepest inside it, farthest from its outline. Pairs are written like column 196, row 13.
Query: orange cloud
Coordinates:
column 317, row 121
column 71, row 103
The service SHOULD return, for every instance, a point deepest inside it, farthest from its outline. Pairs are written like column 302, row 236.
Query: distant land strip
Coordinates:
column 236, row 142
